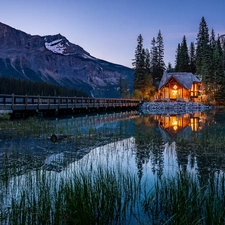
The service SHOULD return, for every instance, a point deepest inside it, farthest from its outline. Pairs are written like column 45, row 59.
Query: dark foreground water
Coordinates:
column 149, row 146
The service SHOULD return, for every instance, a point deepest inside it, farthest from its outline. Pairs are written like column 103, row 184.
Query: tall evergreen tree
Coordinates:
column 153, row 58
column 160, row 51
column 138, row 64
column 147, row 59
column 222, row 41
column 202, row 46
column 212, row 40
column 169, row 68
column 184, row 57
column 142, row 76
column 192, row 58
column 219, row 75
column 206, row 69
column 157, row 65
column 177, row 58
column 138, row 52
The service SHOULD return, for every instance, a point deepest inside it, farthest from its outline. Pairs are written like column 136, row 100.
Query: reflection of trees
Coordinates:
column 201, row 151
column 148, row 144
column 205, row 150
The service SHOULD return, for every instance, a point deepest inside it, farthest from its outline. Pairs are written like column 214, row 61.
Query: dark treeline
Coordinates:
column 148, row 67
column 206, row 61
column 205, row 58
column 10, row 85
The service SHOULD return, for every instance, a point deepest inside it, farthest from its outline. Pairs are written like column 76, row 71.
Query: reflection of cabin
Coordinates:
column 175, row 125
column 180, row 86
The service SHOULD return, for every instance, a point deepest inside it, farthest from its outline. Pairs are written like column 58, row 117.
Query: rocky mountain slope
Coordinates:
column 55, row 60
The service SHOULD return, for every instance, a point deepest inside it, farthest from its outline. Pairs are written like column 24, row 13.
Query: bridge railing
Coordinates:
column 29, row 102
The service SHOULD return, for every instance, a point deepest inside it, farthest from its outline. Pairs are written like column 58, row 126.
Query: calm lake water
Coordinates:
column 148, row 146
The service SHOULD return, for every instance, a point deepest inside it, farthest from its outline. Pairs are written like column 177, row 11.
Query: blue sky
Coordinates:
column 109, row 29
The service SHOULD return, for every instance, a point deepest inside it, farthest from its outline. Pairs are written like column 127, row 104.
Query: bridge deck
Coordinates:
column 14, row 103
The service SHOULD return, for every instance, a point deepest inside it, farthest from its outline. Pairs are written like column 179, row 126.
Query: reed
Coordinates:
column 102, row 196
column 112, row 196
column 182, row 200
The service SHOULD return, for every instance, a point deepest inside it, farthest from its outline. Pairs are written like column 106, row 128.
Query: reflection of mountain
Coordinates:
column 97, row 121
column 84, row 134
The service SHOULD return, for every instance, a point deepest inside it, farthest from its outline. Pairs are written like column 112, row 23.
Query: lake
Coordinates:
column 148, row 147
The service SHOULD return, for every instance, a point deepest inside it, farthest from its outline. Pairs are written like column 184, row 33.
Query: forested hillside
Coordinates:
column 24, row 86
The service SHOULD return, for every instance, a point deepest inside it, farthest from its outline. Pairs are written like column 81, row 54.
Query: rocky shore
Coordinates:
column 173, row 107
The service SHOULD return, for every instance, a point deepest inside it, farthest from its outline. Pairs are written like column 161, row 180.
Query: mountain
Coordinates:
column 54, row 59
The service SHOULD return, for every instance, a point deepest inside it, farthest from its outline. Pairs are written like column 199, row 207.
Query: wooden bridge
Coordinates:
column 26, row 105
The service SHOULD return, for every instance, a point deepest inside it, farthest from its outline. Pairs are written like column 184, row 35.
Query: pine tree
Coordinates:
column 138, row 52
column 212, row 40
column 212, row 46
column 183, row 57
column 219, row 75
column 169, row 68
column 206, row 71
column 142, row 76
column 139, row 65
column 222, row 41
column 153, row 58
column 202, row 46
column 160, row 51
column 147, row 59
column 192, row 58
column 157, row 65
column 136, row 61
column 177, row 60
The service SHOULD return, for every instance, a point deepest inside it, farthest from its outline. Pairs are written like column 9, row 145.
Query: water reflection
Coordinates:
column 189, row 141
column 148, row 146
column 193, row 142
column 21, row 143
column 173, row 126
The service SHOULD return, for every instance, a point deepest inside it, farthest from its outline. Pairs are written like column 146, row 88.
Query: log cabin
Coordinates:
column 179, row 86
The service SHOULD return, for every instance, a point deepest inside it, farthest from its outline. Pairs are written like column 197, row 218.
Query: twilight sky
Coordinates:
column 108, row 29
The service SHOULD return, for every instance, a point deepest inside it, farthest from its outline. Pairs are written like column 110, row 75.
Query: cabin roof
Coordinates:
column 183, row 78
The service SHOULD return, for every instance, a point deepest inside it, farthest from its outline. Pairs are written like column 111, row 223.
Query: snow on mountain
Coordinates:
column 87, row 56
column 55, row 46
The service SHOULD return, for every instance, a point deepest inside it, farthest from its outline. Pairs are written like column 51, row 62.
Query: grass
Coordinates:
column 100, row 196
column 112, row 196
column 182, row 200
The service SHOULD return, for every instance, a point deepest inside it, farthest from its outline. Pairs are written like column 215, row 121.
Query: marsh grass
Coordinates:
column 181, row 200
column 102, row 196
column 112, row 196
